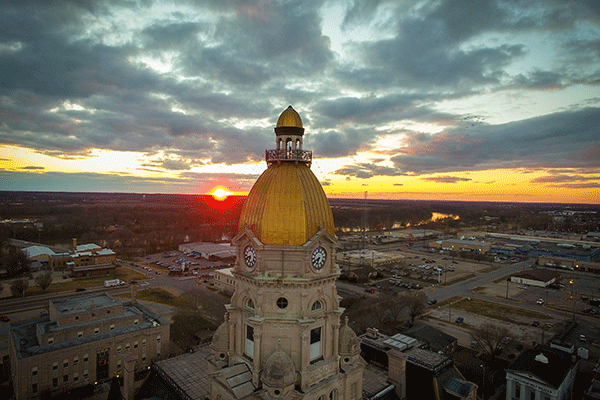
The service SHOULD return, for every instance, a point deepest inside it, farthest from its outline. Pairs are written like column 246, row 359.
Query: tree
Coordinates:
column 489, row 337
column 18, row 287
column 416, row 304
column 16, row 263
column 43, row 280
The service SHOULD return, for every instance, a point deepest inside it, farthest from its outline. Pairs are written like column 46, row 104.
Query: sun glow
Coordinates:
column 220, row 193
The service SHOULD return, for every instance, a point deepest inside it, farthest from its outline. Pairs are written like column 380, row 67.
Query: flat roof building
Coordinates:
column 81, row 342
column 541, row 373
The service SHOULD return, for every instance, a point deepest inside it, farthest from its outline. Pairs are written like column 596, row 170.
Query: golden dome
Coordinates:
column 289, row 118
column 286, row 206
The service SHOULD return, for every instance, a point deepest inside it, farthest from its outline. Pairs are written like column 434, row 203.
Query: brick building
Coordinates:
column 81, row 342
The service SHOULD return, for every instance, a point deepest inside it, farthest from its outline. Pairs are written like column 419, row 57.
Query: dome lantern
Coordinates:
column 287, row 205
column 289, row 132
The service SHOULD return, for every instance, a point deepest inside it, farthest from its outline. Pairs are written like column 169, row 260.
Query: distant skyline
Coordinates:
column 443, row 100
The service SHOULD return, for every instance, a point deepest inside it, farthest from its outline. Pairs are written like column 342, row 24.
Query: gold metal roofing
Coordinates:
column 289, row 118
column 286, row 206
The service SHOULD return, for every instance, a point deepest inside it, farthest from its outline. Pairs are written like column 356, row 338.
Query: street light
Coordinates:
column 482, row 380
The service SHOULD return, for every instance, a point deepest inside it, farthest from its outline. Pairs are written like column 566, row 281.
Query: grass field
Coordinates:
column 489, row 269
column 59, row 285
column 496, row 310
column 156, row 295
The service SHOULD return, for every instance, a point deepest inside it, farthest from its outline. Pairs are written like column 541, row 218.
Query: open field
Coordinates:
column 71, row 284
column 498, row 311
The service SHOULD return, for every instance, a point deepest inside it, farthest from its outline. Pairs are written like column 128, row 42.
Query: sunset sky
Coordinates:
column 447, row 100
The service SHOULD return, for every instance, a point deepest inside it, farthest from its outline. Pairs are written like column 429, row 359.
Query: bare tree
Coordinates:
column 18, row 287
column 490, row 337
column 17, row 263
column 416, row 304
column 43, row 280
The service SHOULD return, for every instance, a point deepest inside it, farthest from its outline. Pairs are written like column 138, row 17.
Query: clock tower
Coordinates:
column 282, row 337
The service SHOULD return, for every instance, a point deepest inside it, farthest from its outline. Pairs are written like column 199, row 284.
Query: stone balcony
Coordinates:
column 304, row 156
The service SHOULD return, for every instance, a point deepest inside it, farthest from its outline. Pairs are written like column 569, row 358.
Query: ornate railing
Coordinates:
column 304, row 156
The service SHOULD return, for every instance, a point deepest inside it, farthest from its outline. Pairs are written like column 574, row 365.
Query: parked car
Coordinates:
column 582, row 338
column 535, row 323
column 4, row 318
column 523, row 286
column 432, row 301
column 540, row 301
column 460, row 320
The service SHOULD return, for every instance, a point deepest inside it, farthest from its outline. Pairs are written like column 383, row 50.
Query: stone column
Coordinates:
column 336, row 338
column 129, row 360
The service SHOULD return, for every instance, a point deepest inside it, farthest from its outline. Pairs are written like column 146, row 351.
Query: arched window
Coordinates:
column 316, row 306
column 333, row 394
column 250, row 304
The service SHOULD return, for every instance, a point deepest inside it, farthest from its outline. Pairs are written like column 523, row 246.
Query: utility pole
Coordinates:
column 364, row 230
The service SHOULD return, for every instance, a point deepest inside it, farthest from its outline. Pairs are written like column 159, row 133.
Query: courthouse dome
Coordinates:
column 289, row 118
column 286, row 206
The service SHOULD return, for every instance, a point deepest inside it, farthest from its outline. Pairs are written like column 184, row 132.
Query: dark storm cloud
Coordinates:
column 436, row 60
column 539, row 80
column 266, row 41
column 65, row 90
column 33, row 168
column 167, row 35
column 338, row 143
column 559, row 140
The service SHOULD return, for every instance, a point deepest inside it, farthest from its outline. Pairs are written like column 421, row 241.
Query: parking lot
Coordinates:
column 418, row 271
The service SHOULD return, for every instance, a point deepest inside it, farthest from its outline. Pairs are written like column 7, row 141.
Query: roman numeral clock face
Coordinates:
column 249, row 256
column 318, row 258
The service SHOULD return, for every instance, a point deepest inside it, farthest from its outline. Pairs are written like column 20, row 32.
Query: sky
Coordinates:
column 446, row 100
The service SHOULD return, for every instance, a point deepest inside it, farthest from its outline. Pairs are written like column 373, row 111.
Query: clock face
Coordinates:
column 250, row 256
column 318, row 258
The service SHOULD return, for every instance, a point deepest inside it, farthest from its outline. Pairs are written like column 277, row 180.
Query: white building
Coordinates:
column 541, row 374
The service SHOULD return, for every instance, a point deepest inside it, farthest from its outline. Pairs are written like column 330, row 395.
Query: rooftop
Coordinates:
column 437, row 339
column 24, row 333
column 187, row 372
column 544, row 275
column 427, row 359
column 548, row 365
column 34, row 251
column 77, row 304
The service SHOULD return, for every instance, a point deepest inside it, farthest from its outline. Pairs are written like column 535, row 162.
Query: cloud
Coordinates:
column 589, row 185
column 559, row 178
column 204, row 81
column 559, row 140
column 32, row 167
column 366, row 170
column 446, row 179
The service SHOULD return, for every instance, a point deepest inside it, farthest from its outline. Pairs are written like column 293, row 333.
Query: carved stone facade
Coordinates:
column 282, row 337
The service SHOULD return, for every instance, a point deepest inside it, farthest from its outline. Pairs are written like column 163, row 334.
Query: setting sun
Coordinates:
column 220, row 193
